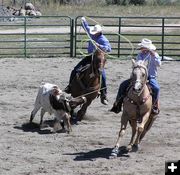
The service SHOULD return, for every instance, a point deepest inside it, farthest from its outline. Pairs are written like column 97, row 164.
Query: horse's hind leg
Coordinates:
column 148, row 126
column 140, row 130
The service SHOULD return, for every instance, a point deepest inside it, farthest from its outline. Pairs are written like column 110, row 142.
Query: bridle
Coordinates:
column 134, row 83
column 94, row 63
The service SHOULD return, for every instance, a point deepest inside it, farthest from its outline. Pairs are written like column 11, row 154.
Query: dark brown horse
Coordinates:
column 88, row 82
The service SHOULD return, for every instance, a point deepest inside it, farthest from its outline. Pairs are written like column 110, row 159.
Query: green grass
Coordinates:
column 111, row 10
column 100, row 8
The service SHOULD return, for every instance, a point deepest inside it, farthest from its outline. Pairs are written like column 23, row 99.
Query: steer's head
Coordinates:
column 56, row 92
column 59, row 101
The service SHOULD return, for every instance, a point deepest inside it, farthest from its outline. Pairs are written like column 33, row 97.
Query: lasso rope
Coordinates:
column 94, row 43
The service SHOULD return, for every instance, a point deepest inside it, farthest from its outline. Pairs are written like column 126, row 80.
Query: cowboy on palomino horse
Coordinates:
column 147, row 52
column 137, row 108
column 101, row 42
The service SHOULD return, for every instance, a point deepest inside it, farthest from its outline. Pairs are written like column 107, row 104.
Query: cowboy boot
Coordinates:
column 104, row 100
column 117, row 106
column 103, row 96
column 155, row 108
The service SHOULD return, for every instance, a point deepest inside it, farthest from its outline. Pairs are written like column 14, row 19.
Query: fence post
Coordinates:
column 119, row 38
column 25, row 38
column 75, row 39
column 162, row 44
column 71, row 37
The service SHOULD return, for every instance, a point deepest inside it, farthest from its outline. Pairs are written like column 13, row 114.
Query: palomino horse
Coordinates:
column 137, row 107
column 88, row 82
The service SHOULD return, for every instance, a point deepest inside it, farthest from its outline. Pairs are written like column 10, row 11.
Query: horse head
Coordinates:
column 139, row 76
column 98, row 61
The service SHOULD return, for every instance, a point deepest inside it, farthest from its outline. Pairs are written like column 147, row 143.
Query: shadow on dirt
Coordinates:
column 34, row 127
column 98, row 153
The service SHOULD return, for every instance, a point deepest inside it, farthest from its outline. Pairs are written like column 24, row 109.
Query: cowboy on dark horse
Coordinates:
column 147, row 52
column 101, row 42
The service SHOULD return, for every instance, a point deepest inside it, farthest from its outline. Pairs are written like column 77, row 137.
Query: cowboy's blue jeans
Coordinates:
column 103, row 84
column 152, row 82
column 122, row 89
column 155, row 88
column 84, row 62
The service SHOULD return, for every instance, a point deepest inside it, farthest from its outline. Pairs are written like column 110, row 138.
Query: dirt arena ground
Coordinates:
column 26, row 150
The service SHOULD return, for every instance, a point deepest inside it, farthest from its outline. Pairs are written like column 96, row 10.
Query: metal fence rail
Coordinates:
column 47, row 36
column 52, row 36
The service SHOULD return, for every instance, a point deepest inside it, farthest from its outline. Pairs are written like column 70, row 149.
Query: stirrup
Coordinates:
column 155, row 110
column 116, row 107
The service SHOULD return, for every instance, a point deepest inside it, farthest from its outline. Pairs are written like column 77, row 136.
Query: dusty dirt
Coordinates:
column 26, row 150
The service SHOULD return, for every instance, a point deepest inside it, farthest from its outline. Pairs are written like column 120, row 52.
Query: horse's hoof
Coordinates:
column 135, row 148
column 79, row 119
column 129, row 148
column 114, row 153
column 74, row 119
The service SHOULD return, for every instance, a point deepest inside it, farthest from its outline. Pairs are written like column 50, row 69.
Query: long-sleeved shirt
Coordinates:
column 100, row 39
column 153, row 62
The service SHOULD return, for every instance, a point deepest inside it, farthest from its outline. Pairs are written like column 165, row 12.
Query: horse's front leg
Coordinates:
column 140, row 129
column 133, row 124
column 82, row 111
column 124, row 122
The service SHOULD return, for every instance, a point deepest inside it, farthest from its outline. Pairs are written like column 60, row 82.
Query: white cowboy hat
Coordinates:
column 147, row 43
column 95, row 29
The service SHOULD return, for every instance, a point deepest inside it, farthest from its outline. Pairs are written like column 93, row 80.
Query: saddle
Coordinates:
column 80, row 74
column 154, row 110
column 81, row 70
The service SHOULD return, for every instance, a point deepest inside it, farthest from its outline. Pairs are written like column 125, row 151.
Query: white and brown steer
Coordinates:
column 52, row 100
